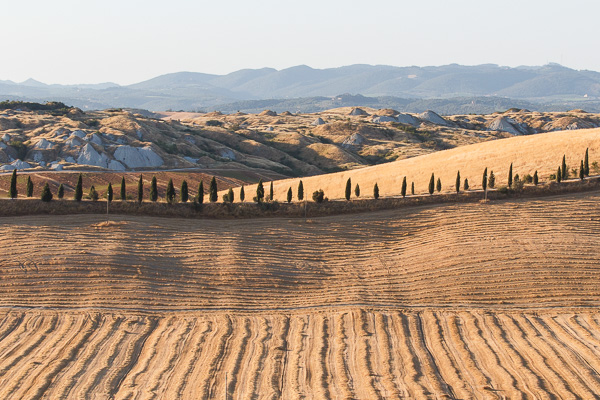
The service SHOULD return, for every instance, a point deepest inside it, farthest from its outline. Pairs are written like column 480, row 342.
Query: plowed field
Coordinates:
column 496, row 300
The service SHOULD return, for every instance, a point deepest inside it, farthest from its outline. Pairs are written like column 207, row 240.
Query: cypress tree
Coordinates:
column 565, row 171
column 466, row 184
column 200, row 195
column 260, row 191
column 79, row 189
column 558, row 175
column 376, row 191
column 431, row 184
column 93, row 193
column 586, row 164
column 212, row 190
column 535, row 178
column 109, row 192
column 184, row 192
column 510, row 176
column 403, row 188
column 140, row 190
column 271, row 192
column 170, row 193
column 412, row 188
column 357, row 190
column 123, row 189
column 492, row 180
column 438, row 185
column 300, row 191
column 230, row 197
column 484, row 180
column 457, row 183
column 12, row 193
column 153, row 189
column 29, row 187
column 46, row 193
column 289, row 195
column 581, row 170
column 243, row 194
column 61, row 191
column 348, row 189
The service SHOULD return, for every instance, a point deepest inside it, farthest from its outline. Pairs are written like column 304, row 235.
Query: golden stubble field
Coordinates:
column 496, row 300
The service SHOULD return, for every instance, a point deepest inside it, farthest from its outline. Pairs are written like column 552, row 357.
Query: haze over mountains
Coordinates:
column 454, row 88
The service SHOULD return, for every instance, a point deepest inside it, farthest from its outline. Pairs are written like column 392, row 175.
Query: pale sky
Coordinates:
column 128, row 41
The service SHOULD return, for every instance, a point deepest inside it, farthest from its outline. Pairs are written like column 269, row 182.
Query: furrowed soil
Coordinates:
column 495, row 300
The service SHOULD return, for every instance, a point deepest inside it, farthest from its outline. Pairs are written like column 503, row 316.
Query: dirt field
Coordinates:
column 495, row 300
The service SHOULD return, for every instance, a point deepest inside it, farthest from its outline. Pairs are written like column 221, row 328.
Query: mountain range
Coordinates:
column 306, row 89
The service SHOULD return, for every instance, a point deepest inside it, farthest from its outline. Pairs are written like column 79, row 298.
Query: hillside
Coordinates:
column 55, row 137
column 492, row 300
column 554, row 86
column 542, row 152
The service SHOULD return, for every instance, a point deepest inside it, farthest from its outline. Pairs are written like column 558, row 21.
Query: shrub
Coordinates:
column 61, row 191
column 170, row 193
column 357, row 190
column 200, row 194
column 12, row 192
column 184, row 193
column 466, row 184
column 300, row 191
column 348, row 189
column 518, row 185
column 318, row 196
column 93, row 193
column 213, row 122
column 528, row 178
column 109, row 193
column 438, row 185
column 19, row 147
column 79, row 189
column 140, row 190
column 595, row 166
column 289, row 195
column 153, row 190
column 375, row 191
column 431, row 184
column 230, row 196
column 46, row 193
column 260, row 192
column 212, row 190
column 492, row 180
column 29, row 187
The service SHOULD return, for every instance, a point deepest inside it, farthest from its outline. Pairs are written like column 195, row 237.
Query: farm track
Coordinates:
column 471, row 301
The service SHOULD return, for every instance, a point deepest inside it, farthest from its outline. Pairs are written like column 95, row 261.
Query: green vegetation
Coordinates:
column 46, row 193
column 348, row 189
column 586, row 163
column 564, row 170
column 61, row 191
column 271, row 192
column 559, row 175
column 581, row 171
column 438, row 185
column 375, row 191
column 431, row 184
column 535, row 178
column 140, row 190
column 457, row 183
column 492, row 180
column 242, row 194
column 200, row 194
column 170, row 193
column 29, row 187
column 184, row 192
column 357, row 190
column 510, row 176
column 109, row 193
column 318, row 196
column 484, row 180
column 466, row 184
column 289, row 195
column 153, row 190
column 212, row 190
column 79, row 189
column 403, row 187
column 412, row 188
column 300, row 191
column 260, row 192
column 12, row 192
column 20, row 148
column 93, row 194
column 123, row 189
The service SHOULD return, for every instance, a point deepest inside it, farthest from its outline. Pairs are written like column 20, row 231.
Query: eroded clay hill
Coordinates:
column 494, row 300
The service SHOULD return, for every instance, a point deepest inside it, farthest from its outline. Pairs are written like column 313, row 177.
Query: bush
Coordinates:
column 528, row 178
column 318, row 196
column 492, row 180
column 46, row 193
column 93, row 193
column 213, row 122
column 466, row 184
column 438, row 186
column 260, row 192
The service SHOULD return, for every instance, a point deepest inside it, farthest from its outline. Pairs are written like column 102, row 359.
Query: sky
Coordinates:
column 129, row 41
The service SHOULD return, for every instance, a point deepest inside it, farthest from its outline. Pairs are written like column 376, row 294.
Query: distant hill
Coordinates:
column 550, row 87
